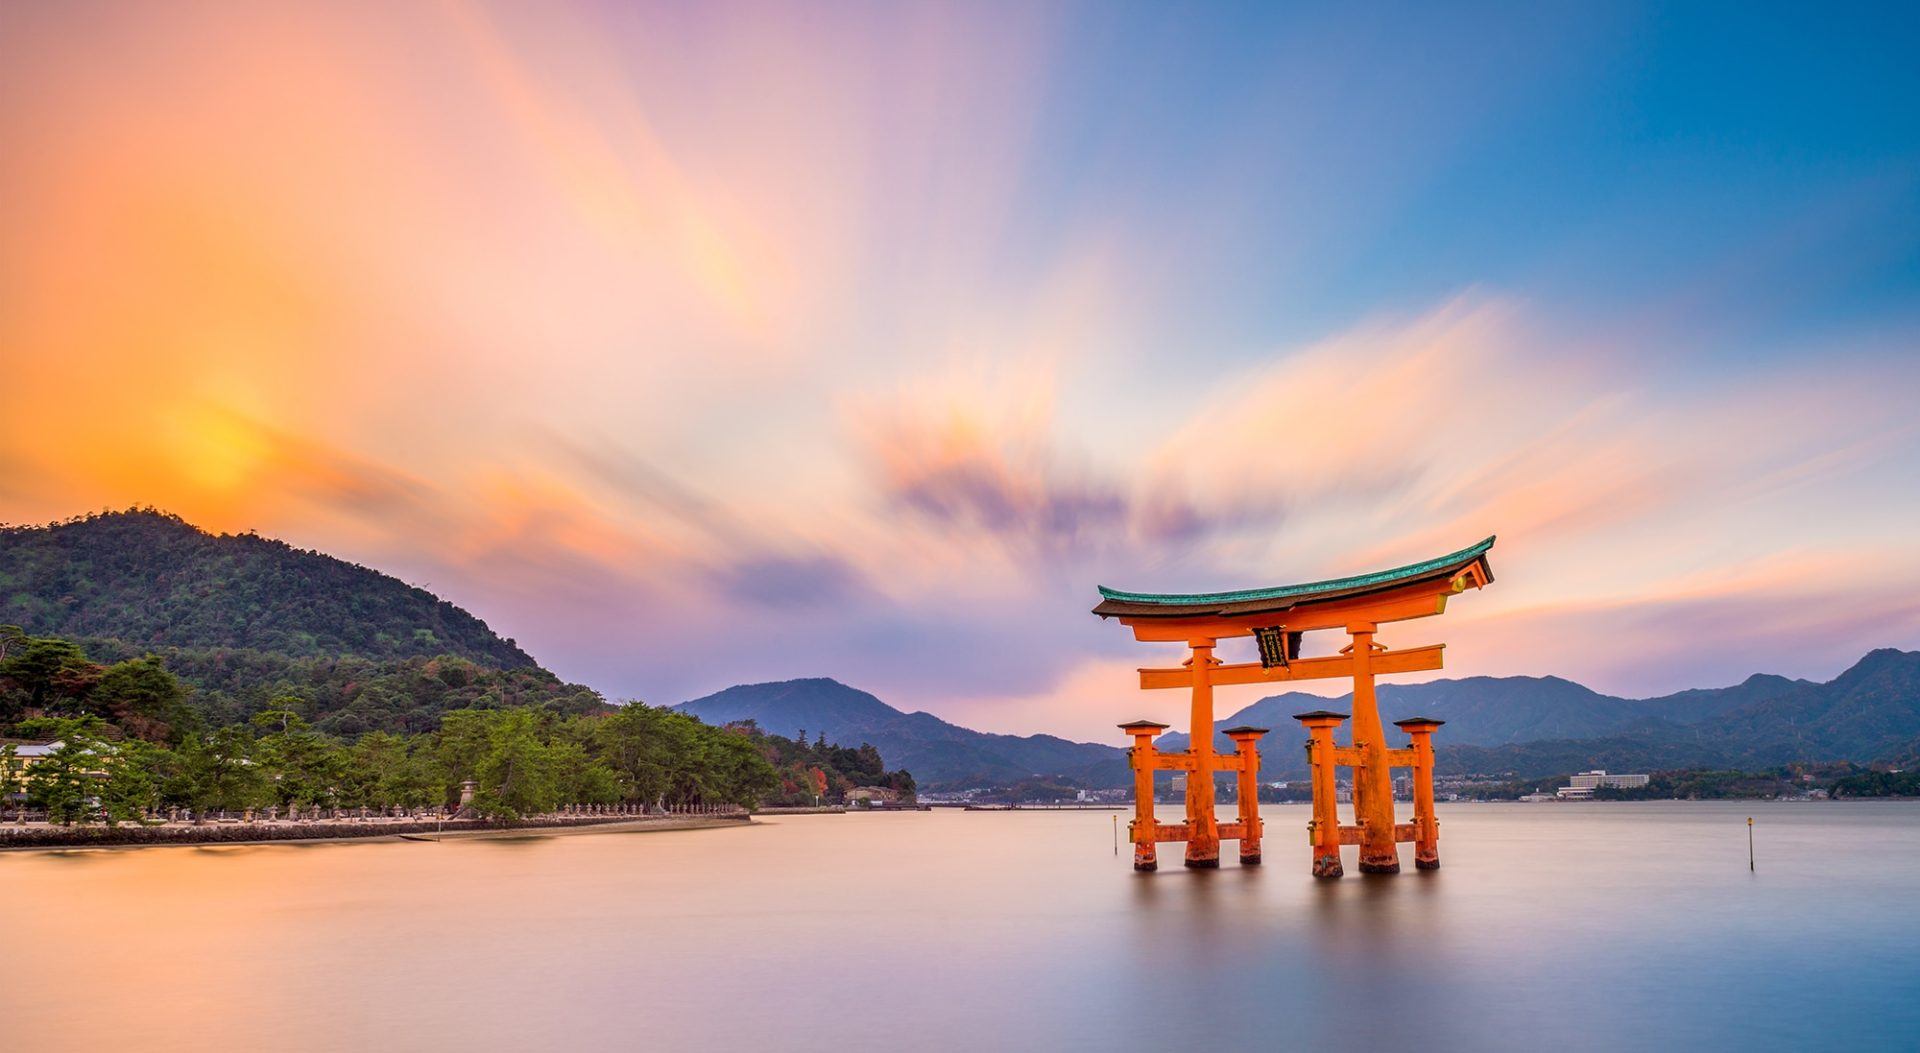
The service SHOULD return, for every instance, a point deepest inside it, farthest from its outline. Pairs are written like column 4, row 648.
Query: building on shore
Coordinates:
column 1580, row 787
column 25, row 754
column 871, row 796
column 31, row 753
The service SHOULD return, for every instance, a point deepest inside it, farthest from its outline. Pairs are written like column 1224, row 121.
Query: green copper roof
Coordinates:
column 1312, row 588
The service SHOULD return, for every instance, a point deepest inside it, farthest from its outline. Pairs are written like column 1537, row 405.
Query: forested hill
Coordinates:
column 155, row 581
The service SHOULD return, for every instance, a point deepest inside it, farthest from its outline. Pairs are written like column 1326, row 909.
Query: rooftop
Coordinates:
column 1253, row 601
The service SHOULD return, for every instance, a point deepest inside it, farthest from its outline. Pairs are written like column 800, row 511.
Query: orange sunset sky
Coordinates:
column 692, row 345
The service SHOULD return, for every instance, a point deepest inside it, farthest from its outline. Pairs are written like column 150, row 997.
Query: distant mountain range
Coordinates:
column 1525, row 727
column 939, row 754
column 247, row 619
column 1533, row 726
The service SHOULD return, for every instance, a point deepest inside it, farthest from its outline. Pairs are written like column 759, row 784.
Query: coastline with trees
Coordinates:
column 107, row 754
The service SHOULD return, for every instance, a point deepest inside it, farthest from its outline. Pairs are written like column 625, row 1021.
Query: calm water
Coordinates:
column 1578, row 926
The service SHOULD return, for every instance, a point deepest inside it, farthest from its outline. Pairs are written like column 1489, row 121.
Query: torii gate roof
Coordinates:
column 1115, row 603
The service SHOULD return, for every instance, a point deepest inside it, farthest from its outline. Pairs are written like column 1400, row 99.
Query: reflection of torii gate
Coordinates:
column 1277, row 618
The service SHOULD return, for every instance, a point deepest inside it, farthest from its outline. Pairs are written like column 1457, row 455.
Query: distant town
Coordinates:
column 1790, row 783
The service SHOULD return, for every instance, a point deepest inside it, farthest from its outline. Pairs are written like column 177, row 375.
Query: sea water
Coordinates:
column 1558, row 925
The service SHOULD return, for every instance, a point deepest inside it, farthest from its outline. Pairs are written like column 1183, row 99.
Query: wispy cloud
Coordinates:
column 691, row 345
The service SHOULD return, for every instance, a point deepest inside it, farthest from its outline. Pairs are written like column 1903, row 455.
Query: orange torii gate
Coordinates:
column 1277, row 618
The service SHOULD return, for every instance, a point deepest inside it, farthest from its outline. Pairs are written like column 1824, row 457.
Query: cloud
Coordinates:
column 1799, row 613
column 817, row 332
column 789, row 582
column 971, row 459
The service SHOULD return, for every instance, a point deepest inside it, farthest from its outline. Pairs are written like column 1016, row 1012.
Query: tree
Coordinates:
column 741, row 774
column 135, row 771
column 637, row 743
column 384, row 769
column 302, row 766
column 67, row 781
column 515, row 776
column 579, row 777
column 218, row 772
column 45, row 672
column 12, row 771
column 460, row 745
column 143, row 698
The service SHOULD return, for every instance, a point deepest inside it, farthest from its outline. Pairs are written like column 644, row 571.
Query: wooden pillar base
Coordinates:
column 1328, row 866
column 1249, row 860
column 1378, row 864
column 1145, row 857
column 1427, row 860
column 1146, row 866
column 1204, row 863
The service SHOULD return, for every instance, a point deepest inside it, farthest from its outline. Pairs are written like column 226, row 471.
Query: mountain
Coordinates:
column 154, row 581
column 1701, row 704
column 1871, row 711
column 1519, row 726
column 252, row 623
column 939, row 754
column 1534, row 726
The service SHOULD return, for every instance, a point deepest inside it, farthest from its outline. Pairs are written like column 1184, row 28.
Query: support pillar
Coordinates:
column 1246, row 743
column 1203, row 830
column 1324, row 829
column 1372, row 776
column 1426, row 828
column 1141, row 756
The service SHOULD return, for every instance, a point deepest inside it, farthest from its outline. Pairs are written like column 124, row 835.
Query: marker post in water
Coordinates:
column 1749, row 842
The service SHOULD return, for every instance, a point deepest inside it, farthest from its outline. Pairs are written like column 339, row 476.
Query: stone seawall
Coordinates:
column 216, row 833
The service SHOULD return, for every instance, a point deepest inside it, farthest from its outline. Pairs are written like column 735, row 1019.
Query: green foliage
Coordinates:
column 218, row 772
column 132, row 774
column 1043, row 790
column 143, row 697
column 516, row 772
column 523, row 761
column 65, row 781
column 155, row 581
column 393, row 770
column 305, row 767
column 348, row 696
column 1879, row 784
column 242, row 673
column 812, row 773
column 45, row 676
column 13, row 773
column 42, row 673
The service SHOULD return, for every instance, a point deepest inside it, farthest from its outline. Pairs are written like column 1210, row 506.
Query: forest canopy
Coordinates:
column 132, row 742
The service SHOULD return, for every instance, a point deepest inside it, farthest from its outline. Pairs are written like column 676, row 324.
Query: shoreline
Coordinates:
column 67, row 839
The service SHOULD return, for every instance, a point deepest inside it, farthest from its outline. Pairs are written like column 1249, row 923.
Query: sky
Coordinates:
column 692, row 345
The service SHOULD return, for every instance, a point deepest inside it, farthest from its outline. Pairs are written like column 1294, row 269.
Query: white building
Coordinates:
column 1580, row 787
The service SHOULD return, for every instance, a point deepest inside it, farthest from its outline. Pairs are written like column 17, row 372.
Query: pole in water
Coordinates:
column 1749, row 842
column 1116, row 835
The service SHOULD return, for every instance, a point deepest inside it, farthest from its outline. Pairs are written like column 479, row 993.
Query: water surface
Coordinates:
column 1582, row 926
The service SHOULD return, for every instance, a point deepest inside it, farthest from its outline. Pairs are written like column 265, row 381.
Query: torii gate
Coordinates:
column 1277, row 618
